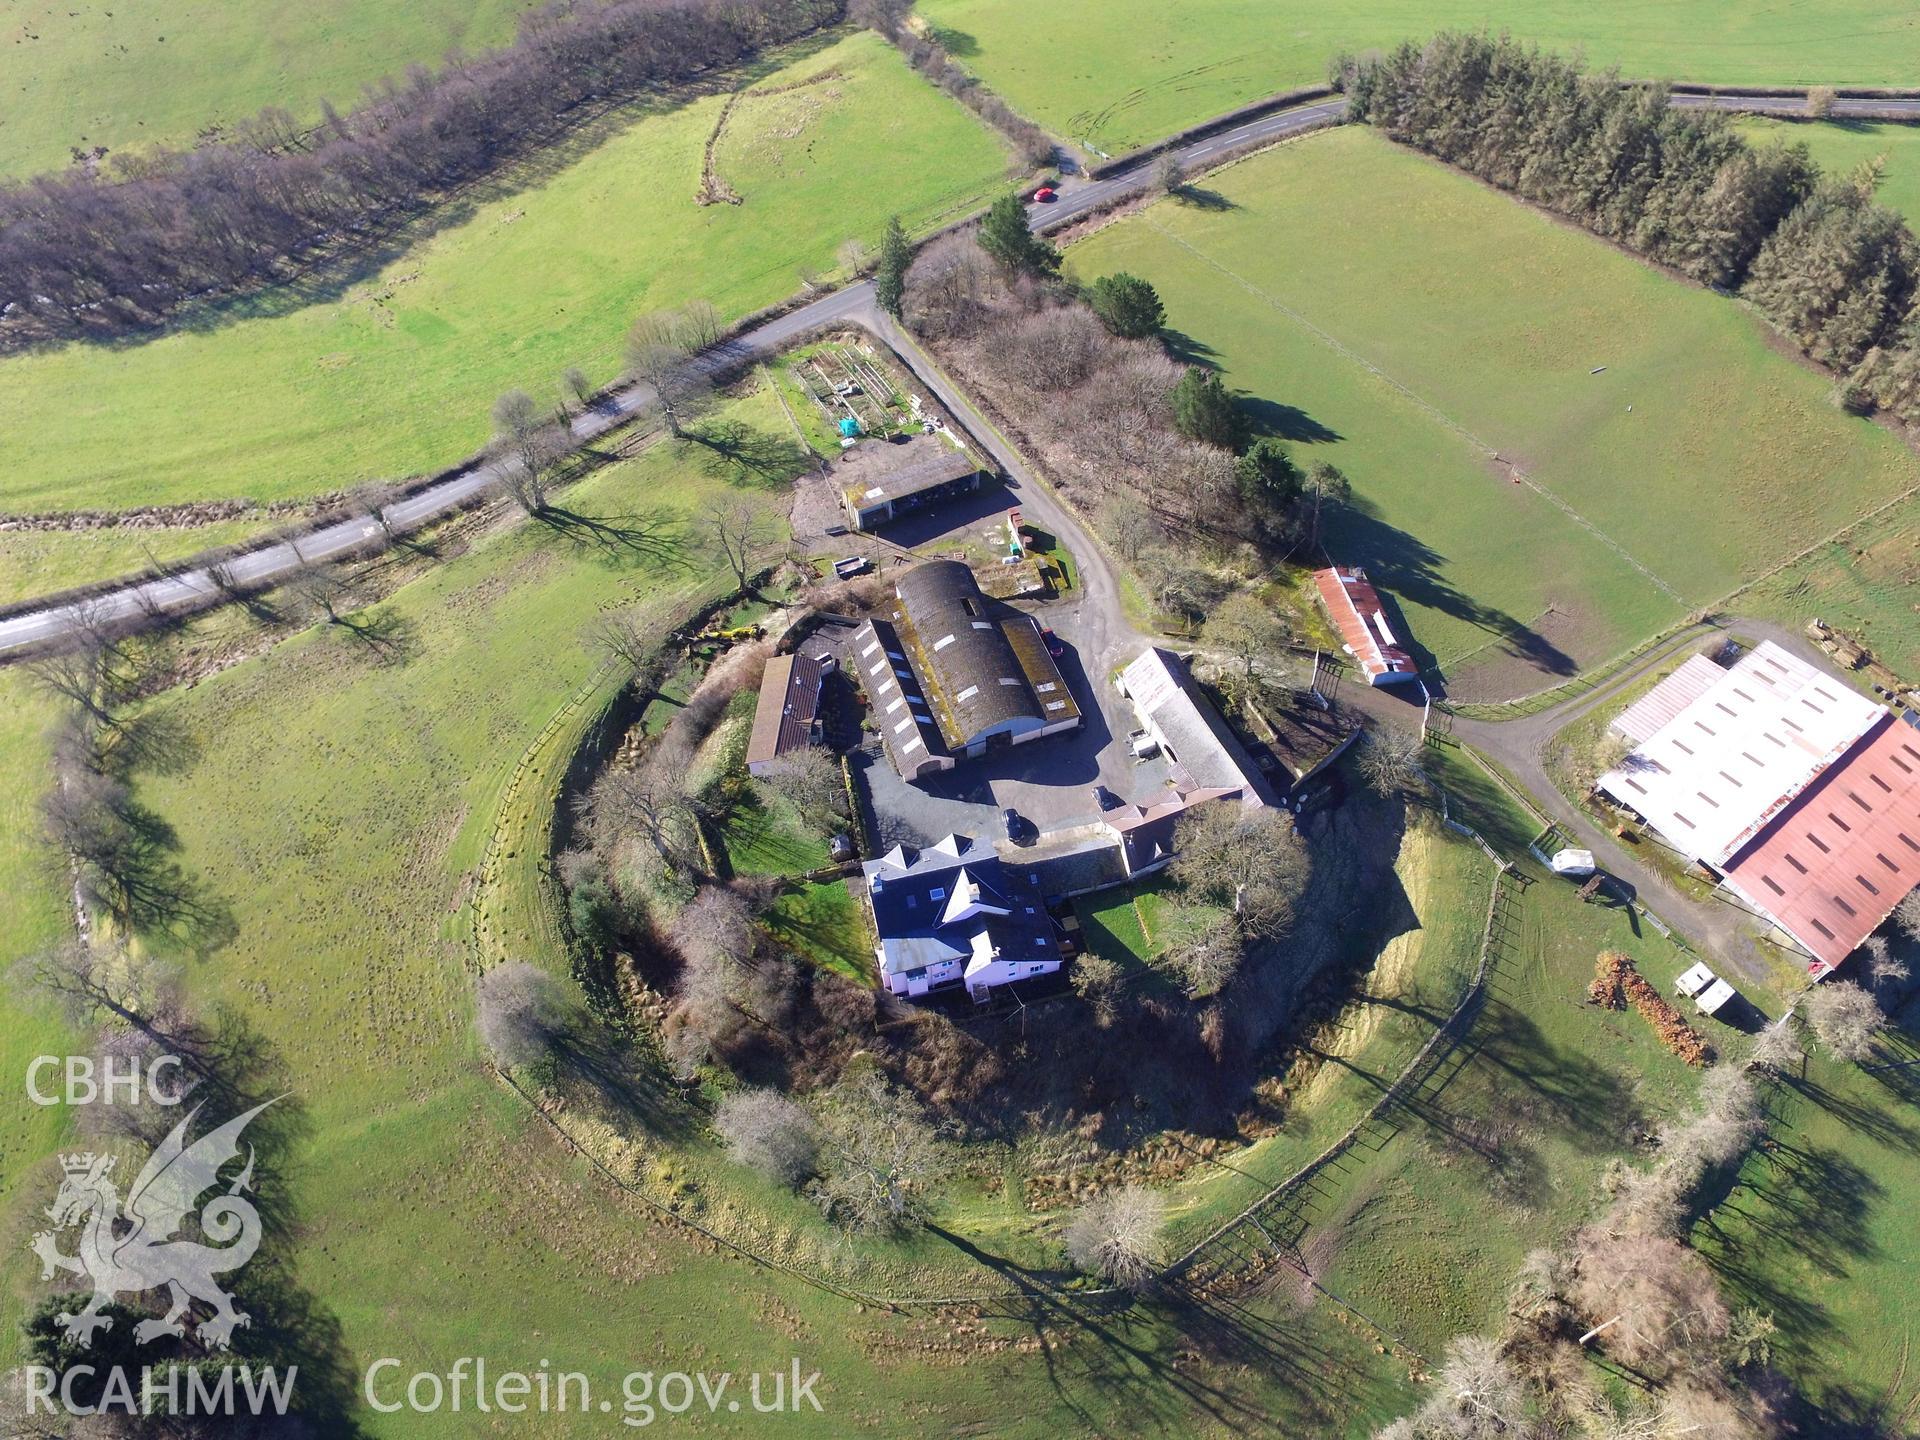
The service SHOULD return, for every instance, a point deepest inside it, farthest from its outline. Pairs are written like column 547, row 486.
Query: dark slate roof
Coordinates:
column 876, row 471
column 913, row 890
column 982, row 665
column 789, row 701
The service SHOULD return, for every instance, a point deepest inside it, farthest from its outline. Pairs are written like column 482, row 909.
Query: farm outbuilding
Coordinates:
column 880, row 480
column 787, row 716
column 1357, row 613
column 1189, row 729
column 953, row 674
column 1800, row 794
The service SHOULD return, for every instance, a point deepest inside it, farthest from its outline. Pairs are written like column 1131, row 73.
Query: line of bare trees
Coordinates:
column 122, row 246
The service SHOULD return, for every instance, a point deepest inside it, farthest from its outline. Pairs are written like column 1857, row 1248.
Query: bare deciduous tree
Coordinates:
column 1777, row 1049
column 1250, row 632
column 1250, row 863
column 855, row 256
column 663, row 347
column 97, row 979
column 771, row 1133
column 320, row 588
column 521, row 1011
column 77, row 674
column 810, row 781
column 1391, row 760
column 1906, row 915
column 629, row 639
column 1205, row 947
column 531, row 448
column 1118, row 1235
column 1096, row 980
column 1477, row 1395
column 1844, row 1018
column 575, row 387
column 1657, row 1298
column 879, row 1150
column 741, row 534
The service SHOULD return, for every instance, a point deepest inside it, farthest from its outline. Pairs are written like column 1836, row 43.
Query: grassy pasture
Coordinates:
column 287, row 395
column 1819, row 1231
column 343, row 811
column 95, row 73
column 1123, row 72
column 1841, row 146
column 1695, row 460
column 32, row 917
column 39, row 562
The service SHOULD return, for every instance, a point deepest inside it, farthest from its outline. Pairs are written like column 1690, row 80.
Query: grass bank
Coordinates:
column 295, row 394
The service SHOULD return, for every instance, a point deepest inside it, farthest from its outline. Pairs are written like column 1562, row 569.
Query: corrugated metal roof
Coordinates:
column 983, row 668
column 876, row 471
column 1834, row 863
column 1733, row 758
column 1361, row 619
column 1643, row 719
column 900, row 709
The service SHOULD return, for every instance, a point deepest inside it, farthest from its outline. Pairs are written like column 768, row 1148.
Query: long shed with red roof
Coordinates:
column 1355, row 608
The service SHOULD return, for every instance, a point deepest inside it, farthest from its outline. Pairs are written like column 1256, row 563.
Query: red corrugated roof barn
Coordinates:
column 1833, row 864
column 1361, row 619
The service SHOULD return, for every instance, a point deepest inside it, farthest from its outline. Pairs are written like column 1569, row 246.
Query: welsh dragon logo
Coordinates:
column 130, row 1249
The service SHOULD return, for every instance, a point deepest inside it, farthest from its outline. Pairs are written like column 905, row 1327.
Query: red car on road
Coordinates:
column 1046, row 195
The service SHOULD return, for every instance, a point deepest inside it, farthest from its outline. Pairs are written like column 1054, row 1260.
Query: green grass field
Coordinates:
column 1819, row 1231
column 1842, row 146
column 128, row 76
column 281, row 397
column 1121, row 73
column 1693, row 461
column 346, row 814
column 39, row 562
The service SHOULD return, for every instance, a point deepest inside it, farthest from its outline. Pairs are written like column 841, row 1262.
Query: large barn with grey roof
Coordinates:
column 953, row 674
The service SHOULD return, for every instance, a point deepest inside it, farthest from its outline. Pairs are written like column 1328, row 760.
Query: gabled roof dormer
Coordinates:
column 970, row 898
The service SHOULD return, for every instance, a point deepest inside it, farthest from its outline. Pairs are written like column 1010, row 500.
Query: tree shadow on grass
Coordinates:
column 623, row 1078
column 1113, row 1355
column 1808, row 1201
column 1406, row 568
column 1285, row 422
column 286, row 1326
column 658, row 539
column 1189, row 349
column 383, row 635
column 740, row 454
column 157, row 741
column 1198, row 197
column 1877, row 1124
column 148, row 890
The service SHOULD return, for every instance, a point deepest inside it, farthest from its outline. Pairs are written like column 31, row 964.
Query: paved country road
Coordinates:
column 1106, row 637
column 193, row 589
